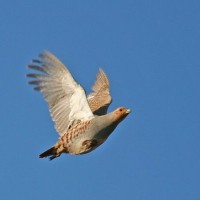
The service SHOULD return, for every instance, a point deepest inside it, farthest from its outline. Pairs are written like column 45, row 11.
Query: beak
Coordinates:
column 128, row 111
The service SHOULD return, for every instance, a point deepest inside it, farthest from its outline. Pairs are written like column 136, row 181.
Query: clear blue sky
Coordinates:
column 151, row 52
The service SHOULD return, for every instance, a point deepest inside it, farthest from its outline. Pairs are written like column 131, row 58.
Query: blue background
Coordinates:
column 150, row 51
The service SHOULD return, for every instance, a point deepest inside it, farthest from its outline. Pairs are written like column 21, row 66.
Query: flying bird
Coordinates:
column 81, row 121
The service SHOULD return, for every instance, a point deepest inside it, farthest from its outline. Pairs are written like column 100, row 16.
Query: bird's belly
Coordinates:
column 84, row 146
column 88, row 141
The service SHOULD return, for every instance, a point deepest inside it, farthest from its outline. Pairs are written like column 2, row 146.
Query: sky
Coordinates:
column 150, row 51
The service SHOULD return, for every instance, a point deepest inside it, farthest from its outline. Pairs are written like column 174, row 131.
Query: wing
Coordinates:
column 66, row 98
column 100, row 98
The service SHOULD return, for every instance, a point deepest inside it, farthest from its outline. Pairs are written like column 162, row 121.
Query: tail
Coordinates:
column 50, row 152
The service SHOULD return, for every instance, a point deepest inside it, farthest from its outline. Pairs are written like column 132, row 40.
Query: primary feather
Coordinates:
column 66, row 98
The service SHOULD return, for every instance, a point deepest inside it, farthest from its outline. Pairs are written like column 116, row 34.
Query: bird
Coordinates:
column 81, row 120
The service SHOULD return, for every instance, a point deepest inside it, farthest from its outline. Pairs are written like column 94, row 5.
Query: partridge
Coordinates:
column 81, row 121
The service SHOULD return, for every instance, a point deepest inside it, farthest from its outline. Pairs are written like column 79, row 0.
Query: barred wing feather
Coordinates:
column 100, row 99
column 66, row 98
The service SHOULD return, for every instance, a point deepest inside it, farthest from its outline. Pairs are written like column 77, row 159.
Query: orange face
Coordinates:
column 121, row 113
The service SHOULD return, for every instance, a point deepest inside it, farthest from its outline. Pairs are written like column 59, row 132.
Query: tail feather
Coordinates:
column 50, row 152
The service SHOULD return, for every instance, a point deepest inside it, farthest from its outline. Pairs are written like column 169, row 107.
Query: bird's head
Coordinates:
column 120, row 114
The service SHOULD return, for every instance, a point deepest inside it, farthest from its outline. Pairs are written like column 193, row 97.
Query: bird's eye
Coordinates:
column 120, row 109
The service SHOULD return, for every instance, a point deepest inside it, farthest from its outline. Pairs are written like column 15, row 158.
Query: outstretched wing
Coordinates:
column 66, row 98
column 100, row 98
